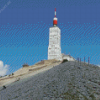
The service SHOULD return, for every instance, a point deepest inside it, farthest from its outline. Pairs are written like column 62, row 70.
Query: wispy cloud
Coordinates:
column 3, row 69
column 5, row 6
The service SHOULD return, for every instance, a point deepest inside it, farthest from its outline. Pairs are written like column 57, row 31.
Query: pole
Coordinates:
column 80, row 61
column 88, row 60
column 84, row 59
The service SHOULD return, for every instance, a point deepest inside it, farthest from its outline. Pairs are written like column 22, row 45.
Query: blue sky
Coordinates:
column 24, row 30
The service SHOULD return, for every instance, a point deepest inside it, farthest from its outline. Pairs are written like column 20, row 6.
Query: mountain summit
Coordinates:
column 67, row 81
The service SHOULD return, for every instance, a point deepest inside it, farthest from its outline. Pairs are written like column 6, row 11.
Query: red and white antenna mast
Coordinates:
column 55, row 12
column 55, row 19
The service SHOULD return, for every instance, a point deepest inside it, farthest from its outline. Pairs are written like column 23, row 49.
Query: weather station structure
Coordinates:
column 54, row 48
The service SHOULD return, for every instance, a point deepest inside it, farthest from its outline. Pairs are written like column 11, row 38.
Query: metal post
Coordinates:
column 88, row 60
column 84, row 60
column 77, row 58
column 80, row 61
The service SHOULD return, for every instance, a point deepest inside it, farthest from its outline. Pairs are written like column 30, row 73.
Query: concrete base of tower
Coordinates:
column 55, row 57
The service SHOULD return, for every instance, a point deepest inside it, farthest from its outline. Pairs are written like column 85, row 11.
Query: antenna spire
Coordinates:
column 55, row 19
column 55, row 12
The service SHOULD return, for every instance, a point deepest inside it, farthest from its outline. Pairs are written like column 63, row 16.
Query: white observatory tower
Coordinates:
column 54, row 48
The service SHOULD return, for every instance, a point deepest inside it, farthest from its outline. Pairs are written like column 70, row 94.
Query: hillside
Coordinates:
column 66, row 81
column 28, row 71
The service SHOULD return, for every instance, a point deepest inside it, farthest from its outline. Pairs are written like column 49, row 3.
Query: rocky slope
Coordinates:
column 66, row 81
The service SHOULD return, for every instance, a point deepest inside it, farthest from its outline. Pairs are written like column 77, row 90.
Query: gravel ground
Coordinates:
column 67, row 81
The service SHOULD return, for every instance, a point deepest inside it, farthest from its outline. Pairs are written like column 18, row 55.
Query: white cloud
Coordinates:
column 3, row 69
column 98, row 65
